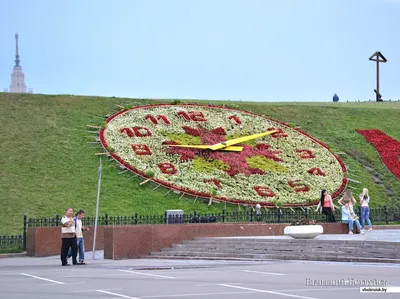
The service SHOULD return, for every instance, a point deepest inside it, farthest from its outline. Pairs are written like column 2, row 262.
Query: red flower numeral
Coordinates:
column 298, row 186
column 235, row 118
column 141, row 149
column 316, row 171
column 167, row 168
column 264, row 191
column 191, row 115
column 215, row 182
column 136, row 132
column 142, row 132
column 155, row 119
column 279, row 134
column 306, row 154
column 128, row 132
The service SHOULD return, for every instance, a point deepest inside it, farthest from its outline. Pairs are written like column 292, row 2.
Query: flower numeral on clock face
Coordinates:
column 141, row 149
column 298, row 186
column 157, row 119
column 306, row 154
column 192, row 115
column 235, row 118
column 167, row 168
column 215, row 182
column 264, row 191
column 136, row 132
column 316, row 171
column 280, row 134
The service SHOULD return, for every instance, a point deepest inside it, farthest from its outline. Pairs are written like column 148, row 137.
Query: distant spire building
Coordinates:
column 17, row 76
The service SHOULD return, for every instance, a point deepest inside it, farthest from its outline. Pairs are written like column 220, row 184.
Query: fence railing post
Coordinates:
column 223, row 215
column 386, row 215
column 279, row 215
column 57, row 220
column 24, row 234
column 106, row 218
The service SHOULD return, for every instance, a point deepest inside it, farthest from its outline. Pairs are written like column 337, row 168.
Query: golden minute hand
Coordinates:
column 203, row 146
column 239, row 140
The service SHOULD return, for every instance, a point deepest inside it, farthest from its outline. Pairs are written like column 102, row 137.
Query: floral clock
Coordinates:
column 222, row 153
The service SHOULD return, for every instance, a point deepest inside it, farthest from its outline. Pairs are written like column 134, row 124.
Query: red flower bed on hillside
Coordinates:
column 387, row 147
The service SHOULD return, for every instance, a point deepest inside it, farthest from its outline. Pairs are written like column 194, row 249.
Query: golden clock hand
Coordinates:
column 226, row 145
column 233, row 148
column 239, row 140
column 203, row 146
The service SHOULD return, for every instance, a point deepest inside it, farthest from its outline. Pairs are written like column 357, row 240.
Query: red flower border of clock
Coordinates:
column 206, row 195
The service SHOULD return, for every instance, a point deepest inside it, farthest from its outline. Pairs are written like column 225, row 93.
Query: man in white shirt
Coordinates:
column 79, row 228
column 68, row 237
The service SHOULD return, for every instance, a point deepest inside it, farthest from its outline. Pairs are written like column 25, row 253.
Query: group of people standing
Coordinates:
column 349, row 217
column 72, row 237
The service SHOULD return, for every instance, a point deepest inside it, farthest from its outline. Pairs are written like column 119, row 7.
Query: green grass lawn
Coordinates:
column 47, row 163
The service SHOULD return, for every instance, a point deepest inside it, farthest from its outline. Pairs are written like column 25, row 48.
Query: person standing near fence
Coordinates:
column 326, row 203
column 68, row 237
column 80, row 243
column 364, row 202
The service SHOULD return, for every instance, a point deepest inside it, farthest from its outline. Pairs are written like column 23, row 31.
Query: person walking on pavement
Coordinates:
column 68, row 237
column 80, row 243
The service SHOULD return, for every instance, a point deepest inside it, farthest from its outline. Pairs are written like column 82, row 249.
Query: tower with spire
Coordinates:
column 17, row 76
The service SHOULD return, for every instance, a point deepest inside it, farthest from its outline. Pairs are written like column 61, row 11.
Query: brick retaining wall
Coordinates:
column 46, row 241
column 123, row 242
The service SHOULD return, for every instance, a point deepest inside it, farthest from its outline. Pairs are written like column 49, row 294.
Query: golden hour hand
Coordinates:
column 239, row 140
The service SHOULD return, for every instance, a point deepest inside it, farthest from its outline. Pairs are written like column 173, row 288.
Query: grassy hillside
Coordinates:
column 47, row 162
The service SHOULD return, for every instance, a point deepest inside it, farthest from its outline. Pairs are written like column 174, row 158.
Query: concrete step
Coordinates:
column 278, row 257
column 287, row 241
column 279, row 246
column 334, row 251
column 288, row 251
column 284, row 249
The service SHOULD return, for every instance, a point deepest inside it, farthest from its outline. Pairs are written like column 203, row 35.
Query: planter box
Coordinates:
column 303, row 231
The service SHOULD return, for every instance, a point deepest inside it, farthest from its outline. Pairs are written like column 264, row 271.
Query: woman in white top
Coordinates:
column 364, row 202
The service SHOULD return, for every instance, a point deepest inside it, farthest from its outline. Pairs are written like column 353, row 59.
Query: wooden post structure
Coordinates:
column 378, row 57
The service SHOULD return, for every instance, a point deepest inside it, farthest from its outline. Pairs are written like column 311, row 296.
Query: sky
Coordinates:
column 244, row 50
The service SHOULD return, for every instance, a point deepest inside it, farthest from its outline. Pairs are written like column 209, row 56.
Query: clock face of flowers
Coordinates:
column 286, row 167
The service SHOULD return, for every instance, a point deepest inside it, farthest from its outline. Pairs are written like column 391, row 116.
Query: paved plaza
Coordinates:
column 45, row 278
column 23, row 277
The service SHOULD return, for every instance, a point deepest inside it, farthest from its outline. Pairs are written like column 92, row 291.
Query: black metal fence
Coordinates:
column 10, row 244
column 377, row 215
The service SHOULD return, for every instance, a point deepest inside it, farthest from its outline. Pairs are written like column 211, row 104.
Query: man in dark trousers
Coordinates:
column 68, row 237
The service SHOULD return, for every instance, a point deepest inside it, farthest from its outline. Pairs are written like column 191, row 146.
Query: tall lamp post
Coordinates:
column 378, row 57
